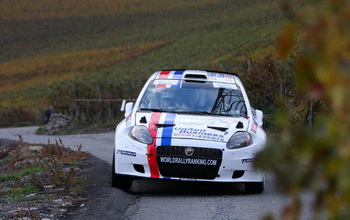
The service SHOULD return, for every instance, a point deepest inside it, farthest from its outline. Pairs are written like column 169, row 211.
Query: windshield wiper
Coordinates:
column 211, row 113
column 195, row 112
column 178, row 112
column 152, row 109
column 201, row 113
column 184, row 112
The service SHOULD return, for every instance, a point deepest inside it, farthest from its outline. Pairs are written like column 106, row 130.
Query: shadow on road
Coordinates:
column 184, row 188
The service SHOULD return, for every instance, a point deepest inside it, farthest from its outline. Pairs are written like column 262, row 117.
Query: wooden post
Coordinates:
column 76, row 109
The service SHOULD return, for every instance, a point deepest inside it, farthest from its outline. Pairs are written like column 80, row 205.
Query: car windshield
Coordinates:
column 194, row 97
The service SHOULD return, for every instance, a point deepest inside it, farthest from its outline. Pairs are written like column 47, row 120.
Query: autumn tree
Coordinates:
column 316, row 159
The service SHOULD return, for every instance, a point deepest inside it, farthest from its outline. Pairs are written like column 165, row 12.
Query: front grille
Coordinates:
column 204, row 163
column 199, row 152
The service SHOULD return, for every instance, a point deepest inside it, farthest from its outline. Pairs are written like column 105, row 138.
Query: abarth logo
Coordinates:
column 189, row 151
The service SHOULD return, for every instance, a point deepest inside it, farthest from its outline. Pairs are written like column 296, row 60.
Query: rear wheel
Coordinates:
column 120, row 181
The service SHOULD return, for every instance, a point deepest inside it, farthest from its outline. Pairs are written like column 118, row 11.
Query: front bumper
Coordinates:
column 215, row 163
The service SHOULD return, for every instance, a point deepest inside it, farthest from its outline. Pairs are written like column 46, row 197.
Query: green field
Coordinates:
column 44, row 42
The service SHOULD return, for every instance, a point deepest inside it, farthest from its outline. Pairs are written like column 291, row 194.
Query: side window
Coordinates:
column 229, row 102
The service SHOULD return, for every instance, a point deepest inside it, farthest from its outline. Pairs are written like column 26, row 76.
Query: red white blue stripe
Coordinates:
column 169, row 79
column 170, row 75
column 151, row 148
column 168, row 131
column 164, row 132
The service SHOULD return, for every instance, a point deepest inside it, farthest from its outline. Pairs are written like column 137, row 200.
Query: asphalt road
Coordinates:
column 151, row 199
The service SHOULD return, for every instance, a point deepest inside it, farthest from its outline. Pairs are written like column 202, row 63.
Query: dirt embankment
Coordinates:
column 50, row 181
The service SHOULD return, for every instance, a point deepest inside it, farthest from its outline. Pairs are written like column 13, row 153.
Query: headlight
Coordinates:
column 141, row 134
column 239, row 140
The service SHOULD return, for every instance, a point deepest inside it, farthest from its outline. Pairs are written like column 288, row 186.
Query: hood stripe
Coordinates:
column 151, row 148
column 168, row 131
column 166, row 134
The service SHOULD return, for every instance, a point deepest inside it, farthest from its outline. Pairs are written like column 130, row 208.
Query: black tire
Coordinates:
column 255, row 188
column 120, row 181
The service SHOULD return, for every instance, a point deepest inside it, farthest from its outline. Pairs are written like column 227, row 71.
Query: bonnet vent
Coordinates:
column 195, row 76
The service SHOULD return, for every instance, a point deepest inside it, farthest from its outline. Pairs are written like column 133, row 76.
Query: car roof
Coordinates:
column 212, row 71
column 198, row 75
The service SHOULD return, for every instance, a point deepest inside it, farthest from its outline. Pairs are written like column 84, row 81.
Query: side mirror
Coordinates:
column 122, row 107
column 128, row 108
column 259, row 117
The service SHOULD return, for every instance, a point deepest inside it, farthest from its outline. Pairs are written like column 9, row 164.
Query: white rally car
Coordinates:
column 190, row 125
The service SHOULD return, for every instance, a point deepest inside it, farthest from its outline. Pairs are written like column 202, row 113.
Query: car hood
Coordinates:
column 188, row 126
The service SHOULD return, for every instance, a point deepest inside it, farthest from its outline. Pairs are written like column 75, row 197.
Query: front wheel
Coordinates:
column 120, row 181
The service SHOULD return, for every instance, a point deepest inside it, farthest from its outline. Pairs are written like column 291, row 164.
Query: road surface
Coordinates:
column 152, row 199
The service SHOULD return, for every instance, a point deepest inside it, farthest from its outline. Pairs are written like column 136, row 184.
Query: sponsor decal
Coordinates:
column 128, row 153
column 167, row 83
column 191, row 123
column 248, row 160
column 197, row 133
column 188, row 179
column 128, row 117
column 254, row 127
column 225, row 85
column 188, row 161
column 221, row 77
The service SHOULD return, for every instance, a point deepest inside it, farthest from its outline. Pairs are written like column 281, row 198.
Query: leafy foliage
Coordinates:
column 16, row 115
column 271, row 75
column 316, row 157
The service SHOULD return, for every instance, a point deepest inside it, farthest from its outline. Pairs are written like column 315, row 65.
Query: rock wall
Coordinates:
column 57, row 121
